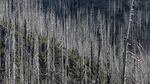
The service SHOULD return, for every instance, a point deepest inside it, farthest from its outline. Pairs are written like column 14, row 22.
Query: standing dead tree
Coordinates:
column 126, row 41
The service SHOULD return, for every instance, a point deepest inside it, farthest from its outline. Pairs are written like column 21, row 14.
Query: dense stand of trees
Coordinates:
column 74, row 42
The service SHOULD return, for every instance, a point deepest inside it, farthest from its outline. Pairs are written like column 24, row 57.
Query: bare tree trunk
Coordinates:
column 98, row 60
column 21, row 59
column 36, row 59
column 126, row 43
column 7, row 58
column 13, row 57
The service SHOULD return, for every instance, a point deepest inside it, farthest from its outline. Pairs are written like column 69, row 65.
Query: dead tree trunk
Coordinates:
column 126, row 42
